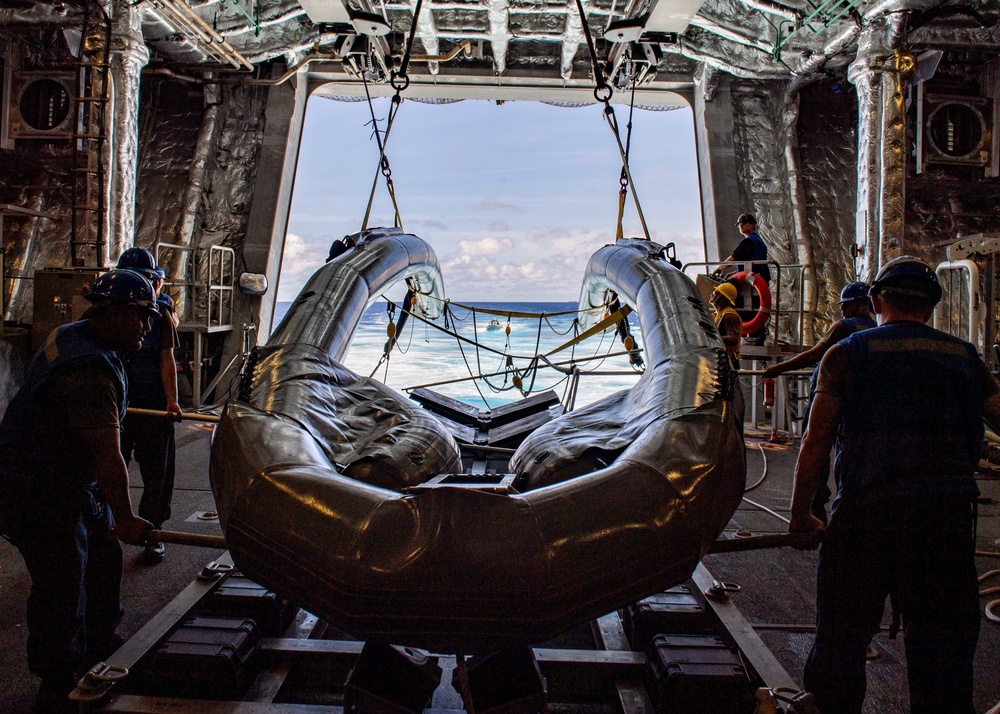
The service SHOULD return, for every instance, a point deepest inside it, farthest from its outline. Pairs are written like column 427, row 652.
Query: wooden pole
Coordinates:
column 179, row 538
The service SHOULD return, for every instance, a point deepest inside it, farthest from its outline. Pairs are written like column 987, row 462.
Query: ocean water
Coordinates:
column 427, row 355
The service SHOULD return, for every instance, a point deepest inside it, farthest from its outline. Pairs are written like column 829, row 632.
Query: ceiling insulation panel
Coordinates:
column 672, row 15
column 325, row 10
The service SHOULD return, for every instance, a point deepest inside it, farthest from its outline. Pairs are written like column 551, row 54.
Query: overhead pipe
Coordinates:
column 572, row 36
column 773, row 8
column 162, row 28
column 499, row 18
column 796, row 188
column 797, row 197
column 309, row 44
column 463, row 46
column 235, row 57
column 428, row 33
column 127, row 56
column 686, row 49
column 193, row 22
column 967, row 38
column 291, row 72
column 713, row 27
column 887, row 7
column 183, row 24
column 246, row 27
column 838, row 45
column 182, row 265
column 171, row 74
column 877, row 74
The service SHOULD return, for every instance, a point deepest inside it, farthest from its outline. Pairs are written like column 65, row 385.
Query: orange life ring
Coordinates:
column 757, row 322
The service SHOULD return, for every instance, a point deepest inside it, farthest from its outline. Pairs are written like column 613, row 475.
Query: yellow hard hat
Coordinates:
column 728, row 291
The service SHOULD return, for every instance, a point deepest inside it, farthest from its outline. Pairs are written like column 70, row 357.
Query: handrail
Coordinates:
column 776, row 310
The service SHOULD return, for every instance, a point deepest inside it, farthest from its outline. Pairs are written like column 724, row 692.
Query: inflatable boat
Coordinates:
column 328, row 490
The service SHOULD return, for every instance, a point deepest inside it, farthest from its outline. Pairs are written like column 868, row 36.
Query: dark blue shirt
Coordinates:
column 753, row 248
column 912, row 420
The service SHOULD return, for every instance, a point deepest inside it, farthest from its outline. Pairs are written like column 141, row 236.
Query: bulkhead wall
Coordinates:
column 827, row 130
column 35, row 173
column 950, row 198
column 199, row 146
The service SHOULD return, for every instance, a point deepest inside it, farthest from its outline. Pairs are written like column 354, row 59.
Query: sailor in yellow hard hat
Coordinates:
column 727, row 320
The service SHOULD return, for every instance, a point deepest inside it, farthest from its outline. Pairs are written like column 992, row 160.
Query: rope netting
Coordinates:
column 500, row 369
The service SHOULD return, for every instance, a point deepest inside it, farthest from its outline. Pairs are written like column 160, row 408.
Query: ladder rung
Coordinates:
column 93, row 64
column 88, row 171
column 89, row 209
column 88, row 136
column 92, row 100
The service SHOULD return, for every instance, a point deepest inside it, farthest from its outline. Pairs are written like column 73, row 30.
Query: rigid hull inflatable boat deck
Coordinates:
column 318, row 472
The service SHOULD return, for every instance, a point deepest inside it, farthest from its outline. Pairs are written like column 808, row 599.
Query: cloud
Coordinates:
column 491, row 204
column 429, row 223
column 498, row 227
column 542, row 264
column 484, row 246
column 302, row 256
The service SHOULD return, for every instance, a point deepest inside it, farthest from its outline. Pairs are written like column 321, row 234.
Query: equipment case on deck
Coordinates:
column 698, row 674
column 239, row 596
column 207, row 657
column 678, row 610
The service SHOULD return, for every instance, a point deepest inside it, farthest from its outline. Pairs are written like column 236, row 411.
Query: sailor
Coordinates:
column 65, row 484
column 728, row 321
column 905, row 404
column 162, row 298
column 751, row 248
column 152, row 375
column 855, row 316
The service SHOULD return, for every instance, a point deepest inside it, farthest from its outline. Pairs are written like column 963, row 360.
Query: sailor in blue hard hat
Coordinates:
column 853, row 291
column 139, row 260
column 903, row 406
column 152, row 375
column 65, row 485
column 855, row 316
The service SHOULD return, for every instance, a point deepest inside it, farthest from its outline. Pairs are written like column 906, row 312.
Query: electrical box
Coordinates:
column 59, row 298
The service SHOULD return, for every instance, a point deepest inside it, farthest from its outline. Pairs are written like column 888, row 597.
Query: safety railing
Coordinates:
column 780, row 274
column 790, row 317
column 961, row 312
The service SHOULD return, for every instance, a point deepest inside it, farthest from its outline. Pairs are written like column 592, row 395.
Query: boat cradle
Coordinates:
column 312, row 472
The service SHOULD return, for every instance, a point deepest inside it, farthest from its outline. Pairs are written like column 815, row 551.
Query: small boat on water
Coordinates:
column 494, row 325
column 330, row 491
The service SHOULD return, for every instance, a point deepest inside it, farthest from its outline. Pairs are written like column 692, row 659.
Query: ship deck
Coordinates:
column 776, row 594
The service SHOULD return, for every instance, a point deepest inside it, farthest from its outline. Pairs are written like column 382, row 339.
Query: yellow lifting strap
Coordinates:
column 392, row 194
column 621, row 214
column 613, row 319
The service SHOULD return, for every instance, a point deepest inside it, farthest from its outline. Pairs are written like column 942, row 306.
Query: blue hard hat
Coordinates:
column 853, row 291
column 160, row 273
column 140, row 260
column 908, row 275
column 124, row 286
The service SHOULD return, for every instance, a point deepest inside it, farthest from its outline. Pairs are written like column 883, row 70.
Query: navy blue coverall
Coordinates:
column 58, row 520
column 907, row 446
column 151, row 438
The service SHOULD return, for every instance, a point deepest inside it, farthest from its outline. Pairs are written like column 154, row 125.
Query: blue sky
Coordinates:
column 514, row 198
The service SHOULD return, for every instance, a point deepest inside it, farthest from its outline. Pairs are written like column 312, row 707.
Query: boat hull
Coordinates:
column 457, row 569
